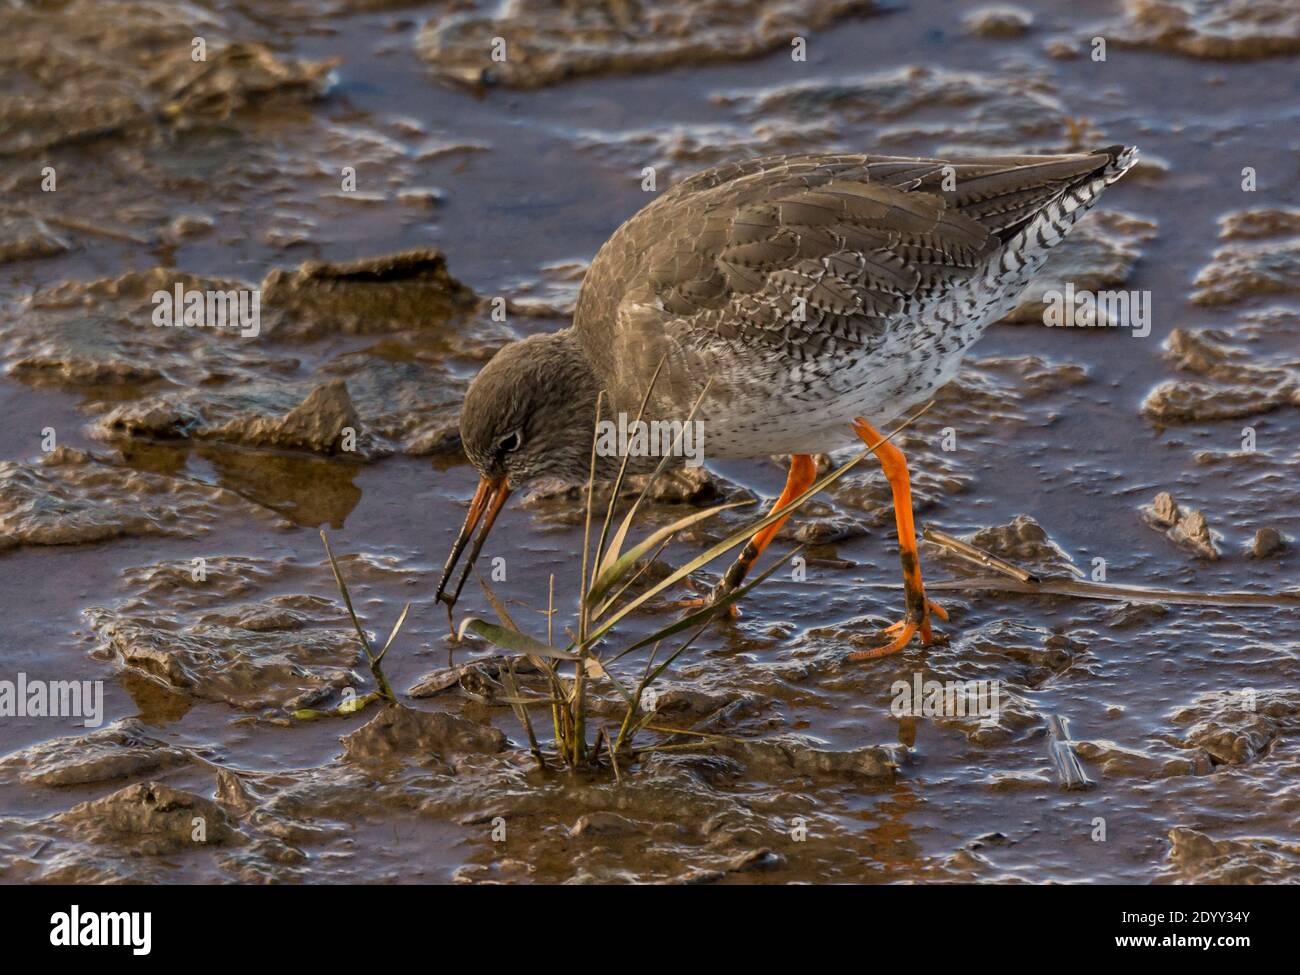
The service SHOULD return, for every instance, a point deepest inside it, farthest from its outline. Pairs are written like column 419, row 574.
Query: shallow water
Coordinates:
column 518, row 187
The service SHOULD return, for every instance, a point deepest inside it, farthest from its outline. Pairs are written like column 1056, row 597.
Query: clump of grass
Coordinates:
column 383, row 690
column 609, row 570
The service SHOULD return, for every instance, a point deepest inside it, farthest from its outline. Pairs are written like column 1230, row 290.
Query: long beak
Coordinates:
column 485, row 506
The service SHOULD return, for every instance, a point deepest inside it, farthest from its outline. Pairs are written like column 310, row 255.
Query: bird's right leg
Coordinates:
column 919, row 608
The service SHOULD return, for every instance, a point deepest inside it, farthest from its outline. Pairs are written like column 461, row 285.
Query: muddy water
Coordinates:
column 175, row 445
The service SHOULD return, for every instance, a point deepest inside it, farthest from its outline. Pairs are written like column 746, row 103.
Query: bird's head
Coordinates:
column 526, row 421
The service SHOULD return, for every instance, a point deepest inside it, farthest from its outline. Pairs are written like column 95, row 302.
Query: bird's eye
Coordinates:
column 510, row 442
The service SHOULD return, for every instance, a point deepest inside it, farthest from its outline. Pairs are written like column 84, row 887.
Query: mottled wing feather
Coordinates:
column 806, row 255
column 811, row 258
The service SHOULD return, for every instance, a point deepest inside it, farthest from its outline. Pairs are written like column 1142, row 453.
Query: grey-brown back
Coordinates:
column 798, row 259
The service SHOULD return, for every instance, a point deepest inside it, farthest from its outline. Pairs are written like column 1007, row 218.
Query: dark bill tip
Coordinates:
column 483, row 507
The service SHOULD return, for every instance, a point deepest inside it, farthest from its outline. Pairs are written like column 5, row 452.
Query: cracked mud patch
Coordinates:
column 909, row 110
column 217, row 635
column 552, row 42
column 1230, row 381
column 72, row 498
column 1228, row 29
column 215, row 385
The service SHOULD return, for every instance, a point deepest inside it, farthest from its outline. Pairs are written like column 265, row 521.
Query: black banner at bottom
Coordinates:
column 337, row 925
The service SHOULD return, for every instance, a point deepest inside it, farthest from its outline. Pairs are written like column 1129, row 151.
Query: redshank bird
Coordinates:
column 809, row 298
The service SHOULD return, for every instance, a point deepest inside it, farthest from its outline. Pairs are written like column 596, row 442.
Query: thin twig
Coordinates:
column 1117, row 592
column 521, row 712
column 81, row 226
column 376, row 670
column 688, row 731
column 613, row 756
column 977, row 555
column 1069, row 769
column 1026, row 582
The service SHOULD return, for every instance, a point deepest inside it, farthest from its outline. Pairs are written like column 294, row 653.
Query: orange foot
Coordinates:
column 732, row 612
column 902, row 633
column 919, row 608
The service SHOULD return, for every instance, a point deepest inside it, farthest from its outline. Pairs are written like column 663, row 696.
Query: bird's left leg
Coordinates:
column 917, row 618
column 803, row 472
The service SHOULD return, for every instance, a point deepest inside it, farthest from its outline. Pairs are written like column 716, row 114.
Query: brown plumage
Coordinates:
column 722, row 257
column 806, row 298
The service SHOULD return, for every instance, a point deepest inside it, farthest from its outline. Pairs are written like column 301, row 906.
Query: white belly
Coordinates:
column 810, row 408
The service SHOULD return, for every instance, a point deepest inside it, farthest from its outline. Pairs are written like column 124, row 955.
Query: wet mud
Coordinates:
column 162, row 488
column 554, row 41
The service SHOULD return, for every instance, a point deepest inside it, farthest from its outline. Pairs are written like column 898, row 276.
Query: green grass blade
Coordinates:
column 708, row 612
column 727, row 544
column 392, row 634
column 603, row 608
column 509, row 639
column 614, row 571
column 347, row 598
column 621, row 536
column 622, row 472
column 498, row 607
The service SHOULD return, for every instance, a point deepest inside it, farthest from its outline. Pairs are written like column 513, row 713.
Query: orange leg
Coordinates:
column 917, row 618
column 803, row 472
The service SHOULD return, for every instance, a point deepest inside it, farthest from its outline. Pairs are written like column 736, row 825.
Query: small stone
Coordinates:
column 1268, row 541
column 1135, row 614
column 1254, row 224
column 119, row 751
column 1186, row 527
column 1214, row 29
column 828, row 531
column 683, row 485
column 1195, row 858
column 152, row 819
column 1024, row 542
column 1059, row 49
column 420, row 197
column 398, row 731
column 603, row 823
column 998, row 22
column 389, row 292
column 438, row 440
column 188, row 226
column 28, row 239
column 754, row 860
column 1195, row 531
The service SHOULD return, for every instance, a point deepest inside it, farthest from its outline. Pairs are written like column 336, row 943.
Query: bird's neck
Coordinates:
column 597, row 403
